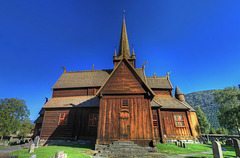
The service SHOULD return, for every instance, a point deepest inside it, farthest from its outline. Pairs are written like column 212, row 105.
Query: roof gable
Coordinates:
column 124, row 80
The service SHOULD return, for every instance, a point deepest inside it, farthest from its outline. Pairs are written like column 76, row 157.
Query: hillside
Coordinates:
column 205, row 100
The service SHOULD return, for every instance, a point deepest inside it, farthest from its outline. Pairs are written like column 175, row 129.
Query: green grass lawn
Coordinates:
column 229, row 153
column 172, row 149
column 47, row 151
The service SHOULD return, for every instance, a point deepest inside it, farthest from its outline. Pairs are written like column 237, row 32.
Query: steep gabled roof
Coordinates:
column 67, row 102
column 133, row 70
column 159, row 82
column 168, row 102
column 77, row 79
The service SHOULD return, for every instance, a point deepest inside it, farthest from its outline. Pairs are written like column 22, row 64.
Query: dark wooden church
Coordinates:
column 116, row 104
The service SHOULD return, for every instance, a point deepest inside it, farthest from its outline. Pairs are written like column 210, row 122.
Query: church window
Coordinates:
column 63, row 117
column 93, row 120
column 179, row 122
column 125, row 103
column 155, row 120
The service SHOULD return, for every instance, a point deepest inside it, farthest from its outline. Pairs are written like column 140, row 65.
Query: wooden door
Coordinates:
column 124, row 126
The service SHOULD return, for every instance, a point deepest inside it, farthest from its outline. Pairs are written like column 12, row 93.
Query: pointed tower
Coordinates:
column 124, row 50
column 179, row 95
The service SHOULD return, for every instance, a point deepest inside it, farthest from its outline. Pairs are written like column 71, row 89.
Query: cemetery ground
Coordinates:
column 86, row 151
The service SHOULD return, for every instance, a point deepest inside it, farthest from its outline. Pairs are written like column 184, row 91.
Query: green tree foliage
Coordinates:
column 25, row 128
column 212, row 131
column 13, row 112
column 205, row 100
column 229, row 111
column 203, row 122
column 221, row 131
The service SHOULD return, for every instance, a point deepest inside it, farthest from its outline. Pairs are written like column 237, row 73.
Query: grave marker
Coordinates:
column 217, row 150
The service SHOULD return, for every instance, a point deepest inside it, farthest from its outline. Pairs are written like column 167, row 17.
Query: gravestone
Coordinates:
column 11, row 139
column 33, row 156
column 36, row 141
column 217, row 150
column 181, row 143
column 176, row 143
column 184, row 145
column 64, row 155
column 59, row 154
column 5, row 143
column 31, row 148
column 229, row 142
column 237, row 146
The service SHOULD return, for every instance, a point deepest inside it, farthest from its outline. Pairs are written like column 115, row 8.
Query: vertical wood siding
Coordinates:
column 76, row 128
column 123, row 82
column 115, row 119
column 170, row 130
column 74, row 92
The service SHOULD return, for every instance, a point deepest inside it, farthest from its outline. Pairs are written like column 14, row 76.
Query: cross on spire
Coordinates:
column 154, row 74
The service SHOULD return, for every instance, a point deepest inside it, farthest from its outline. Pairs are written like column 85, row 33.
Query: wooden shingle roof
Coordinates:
column 95, row 78
column 67, row 102
column 159, row 82
column 76, row 79
column 168, row 102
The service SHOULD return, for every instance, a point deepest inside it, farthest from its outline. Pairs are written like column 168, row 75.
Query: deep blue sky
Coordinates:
column 198, row 41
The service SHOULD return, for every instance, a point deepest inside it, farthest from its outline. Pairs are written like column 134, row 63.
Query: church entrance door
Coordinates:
column 124, row 125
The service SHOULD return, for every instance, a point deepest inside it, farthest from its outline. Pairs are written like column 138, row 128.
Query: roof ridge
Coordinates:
column 181, row 102
column 88, row 70
column 156, row 77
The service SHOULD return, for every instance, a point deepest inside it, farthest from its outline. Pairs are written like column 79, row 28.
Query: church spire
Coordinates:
column 124, row 45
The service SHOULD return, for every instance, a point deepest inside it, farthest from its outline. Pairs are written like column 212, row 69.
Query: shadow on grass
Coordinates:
column 85, row 146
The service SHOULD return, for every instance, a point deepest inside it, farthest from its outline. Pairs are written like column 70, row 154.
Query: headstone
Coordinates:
column 5, row 143
column 36, row 141
column 217, row 150
column 31, row 148
column 229, row 142
column 11, row 139
column 64, row 155
column 237, row 147
column 181, row 143
column 33, row 156
column 176, row 143
column 184, row 145
column 59, row 154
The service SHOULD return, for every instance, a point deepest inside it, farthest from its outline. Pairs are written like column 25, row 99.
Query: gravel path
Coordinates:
column 5, row 150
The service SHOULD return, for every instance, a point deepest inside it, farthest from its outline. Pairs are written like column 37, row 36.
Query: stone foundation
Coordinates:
column 46, row 142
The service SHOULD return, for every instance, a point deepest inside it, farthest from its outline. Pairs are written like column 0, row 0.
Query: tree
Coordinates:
column 212, row 131
column 203, row 122
column 12, row 113
column 229, row 111
column 221, row 131
column 25, row 128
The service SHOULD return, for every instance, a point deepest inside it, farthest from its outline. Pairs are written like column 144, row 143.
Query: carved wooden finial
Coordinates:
column 154, row 75
column 168, row 74
column 93, row 67
column 143, row 67
column 64, row 68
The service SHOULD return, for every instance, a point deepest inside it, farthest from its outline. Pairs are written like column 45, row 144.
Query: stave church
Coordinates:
column 119, row 104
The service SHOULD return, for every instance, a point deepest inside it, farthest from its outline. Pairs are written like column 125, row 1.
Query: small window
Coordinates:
column 93, row 120
column 63, row 117
column 125, row 103
column 179, row 122
column 155, row 120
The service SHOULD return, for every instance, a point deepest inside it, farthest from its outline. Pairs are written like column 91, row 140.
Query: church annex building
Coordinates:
column 116, row 104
